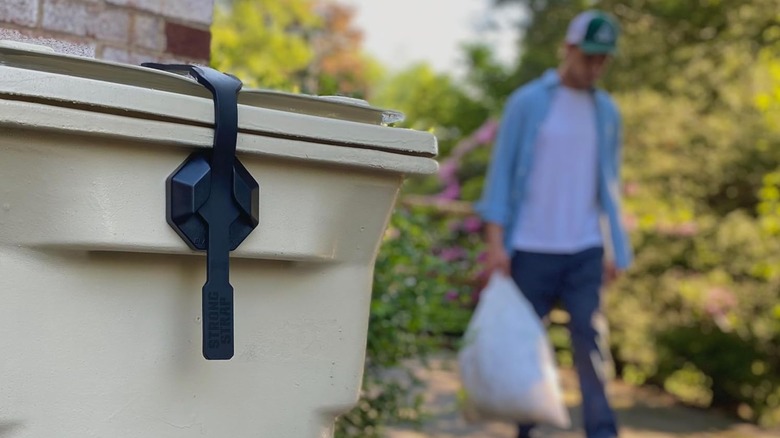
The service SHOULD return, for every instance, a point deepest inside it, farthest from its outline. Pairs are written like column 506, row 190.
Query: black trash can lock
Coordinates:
column 212, row 203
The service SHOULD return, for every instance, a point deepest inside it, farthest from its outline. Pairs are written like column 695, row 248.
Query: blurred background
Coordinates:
column 696, row 320
column 698, row 82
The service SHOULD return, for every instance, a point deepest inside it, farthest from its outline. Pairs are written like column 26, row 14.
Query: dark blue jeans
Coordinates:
column 574, row 280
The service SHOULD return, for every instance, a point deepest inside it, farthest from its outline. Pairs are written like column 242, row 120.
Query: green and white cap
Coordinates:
column 594, row 32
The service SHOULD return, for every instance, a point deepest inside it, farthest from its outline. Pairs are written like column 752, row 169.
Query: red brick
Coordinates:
column 24, row 12
column 187, row 41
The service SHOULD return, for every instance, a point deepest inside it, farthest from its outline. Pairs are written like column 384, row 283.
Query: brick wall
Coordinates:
column 129, row 31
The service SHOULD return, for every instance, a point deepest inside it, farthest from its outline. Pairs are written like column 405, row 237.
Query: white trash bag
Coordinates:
column 506, row 363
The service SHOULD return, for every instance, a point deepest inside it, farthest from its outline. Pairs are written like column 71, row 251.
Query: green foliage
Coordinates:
column 339, row 66
column 696, row 314
column 488, row 80
column 769, row 206
column 263, row 42
column 471, row 172
column 692, row 49
column 309, row 46
column 432, row 102
column 702, row 302
column 423, row 286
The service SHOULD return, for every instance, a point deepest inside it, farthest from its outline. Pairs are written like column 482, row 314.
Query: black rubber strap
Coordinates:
column 219, row 211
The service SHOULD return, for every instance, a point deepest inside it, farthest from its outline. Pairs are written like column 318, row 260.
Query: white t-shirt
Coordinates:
column 560, row 211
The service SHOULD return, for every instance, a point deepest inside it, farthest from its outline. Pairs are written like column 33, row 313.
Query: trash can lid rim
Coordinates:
column 42, row 58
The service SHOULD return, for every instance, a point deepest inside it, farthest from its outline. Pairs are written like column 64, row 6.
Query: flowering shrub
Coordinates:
column 423, row 285
column 699, row 315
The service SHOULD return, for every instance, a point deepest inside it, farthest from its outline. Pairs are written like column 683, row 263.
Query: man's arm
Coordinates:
column 497, row 257
column 611, row 270
column 494, row 206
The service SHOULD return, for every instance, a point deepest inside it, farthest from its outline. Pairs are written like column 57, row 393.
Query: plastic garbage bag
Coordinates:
column 506, row 363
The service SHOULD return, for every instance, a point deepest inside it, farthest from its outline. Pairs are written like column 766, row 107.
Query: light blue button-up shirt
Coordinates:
column 512, row 158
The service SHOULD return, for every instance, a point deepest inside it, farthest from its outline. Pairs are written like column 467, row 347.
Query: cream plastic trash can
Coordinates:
column 100, row 321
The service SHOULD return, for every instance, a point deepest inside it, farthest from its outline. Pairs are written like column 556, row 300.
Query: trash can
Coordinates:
column 101, row 321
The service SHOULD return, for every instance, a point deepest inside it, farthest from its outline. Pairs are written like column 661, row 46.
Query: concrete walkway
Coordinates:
column 642, row 413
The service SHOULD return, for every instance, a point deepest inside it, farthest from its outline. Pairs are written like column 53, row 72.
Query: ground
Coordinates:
column 642, row 413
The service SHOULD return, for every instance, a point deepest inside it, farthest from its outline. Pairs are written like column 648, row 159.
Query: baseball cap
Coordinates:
column 594, row 32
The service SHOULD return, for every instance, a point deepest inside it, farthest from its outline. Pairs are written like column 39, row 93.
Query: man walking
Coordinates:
column 553, row 182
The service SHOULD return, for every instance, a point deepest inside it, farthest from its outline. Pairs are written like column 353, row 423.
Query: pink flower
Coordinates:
column 687, row 229
column 630, row 188
column 452, row 295
column 452, row 191
column 487, row 132
column 447, row 170
column 631, row 222
column 719, row 301
column 472, row 224
column 452, row 254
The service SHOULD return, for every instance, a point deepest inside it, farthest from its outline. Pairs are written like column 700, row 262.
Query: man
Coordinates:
column 551, row 185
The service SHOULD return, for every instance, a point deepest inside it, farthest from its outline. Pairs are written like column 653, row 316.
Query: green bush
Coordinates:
column 699, row 316
column 698, row 312
column 422, row 297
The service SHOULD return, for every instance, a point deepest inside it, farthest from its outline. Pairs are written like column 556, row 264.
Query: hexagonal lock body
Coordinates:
column 188, row 189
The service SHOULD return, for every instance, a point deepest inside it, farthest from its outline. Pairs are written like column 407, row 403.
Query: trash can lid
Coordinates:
column 104, row 86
